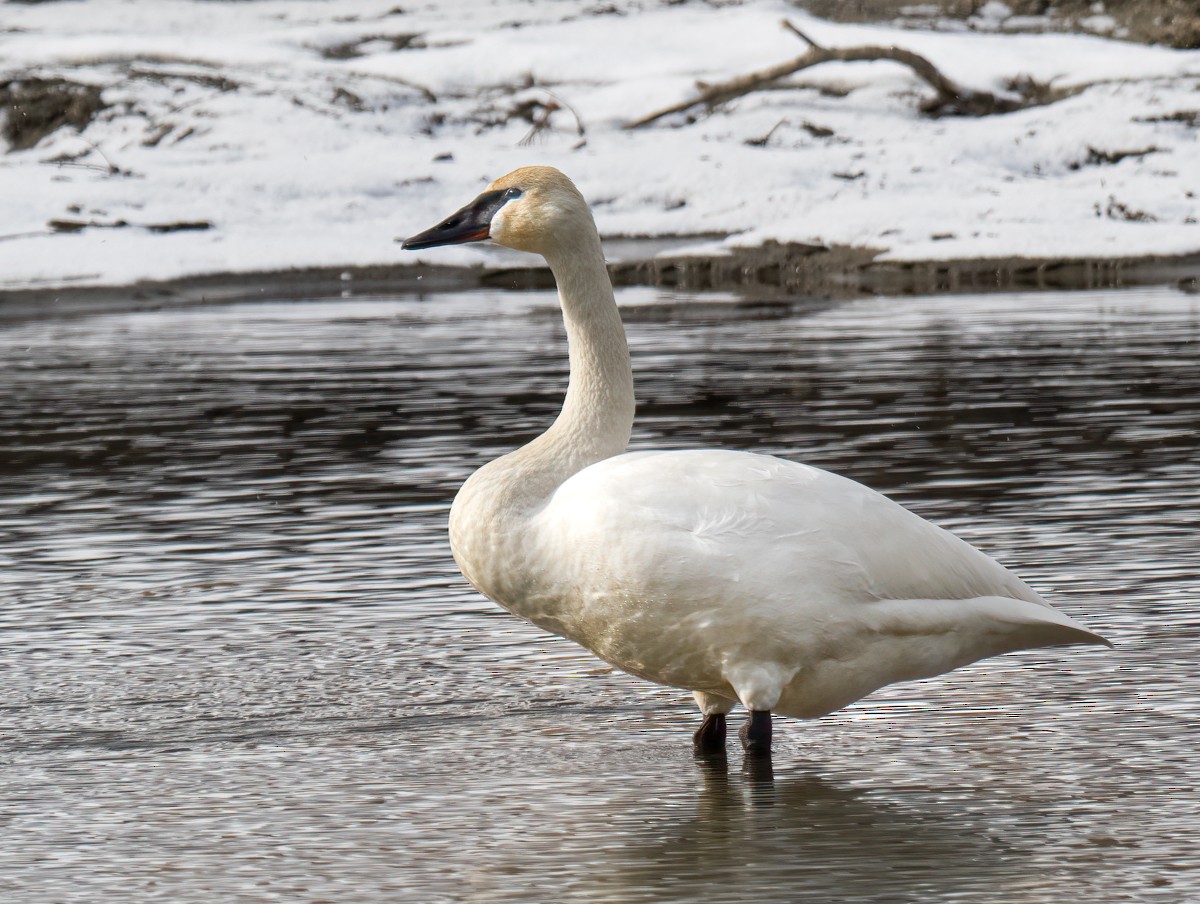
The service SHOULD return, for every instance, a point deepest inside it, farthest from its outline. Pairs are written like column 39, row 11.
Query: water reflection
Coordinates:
column 236, row 654
column 752, row 831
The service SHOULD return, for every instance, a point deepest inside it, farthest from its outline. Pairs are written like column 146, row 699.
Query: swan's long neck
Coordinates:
column 597, row 414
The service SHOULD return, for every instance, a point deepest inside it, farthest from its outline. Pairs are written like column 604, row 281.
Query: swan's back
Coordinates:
column 782, row 528
column 684, row 565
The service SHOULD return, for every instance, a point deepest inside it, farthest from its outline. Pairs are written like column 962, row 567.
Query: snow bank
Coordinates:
column 312, row 133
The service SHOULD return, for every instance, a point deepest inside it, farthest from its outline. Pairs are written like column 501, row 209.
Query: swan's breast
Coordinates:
column 498, row 550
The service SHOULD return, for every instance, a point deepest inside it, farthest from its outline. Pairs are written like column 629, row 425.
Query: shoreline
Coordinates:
column 771, row 271
column 302, row 137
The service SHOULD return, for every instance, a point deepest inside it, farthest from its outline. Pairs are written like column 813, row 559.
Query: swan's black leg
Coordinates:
column 710, row 736
column 756, row 733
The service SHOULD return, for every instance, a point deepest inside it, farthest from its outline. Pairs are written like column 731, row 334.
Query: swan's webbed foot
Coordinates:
column 710, row 736
column 756, row 733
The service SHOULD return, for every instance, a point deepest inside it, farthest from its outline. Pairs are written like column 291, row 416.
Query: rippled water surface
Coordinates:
column 238, row 663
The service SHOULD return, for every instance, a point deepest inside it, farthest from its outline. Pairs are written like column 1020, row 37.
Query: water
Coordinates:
column 239, row 664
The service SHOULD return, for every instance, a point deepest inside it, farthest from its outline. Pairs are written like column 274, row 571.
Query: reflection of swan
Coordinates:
column 737, row 576
column 808, row 838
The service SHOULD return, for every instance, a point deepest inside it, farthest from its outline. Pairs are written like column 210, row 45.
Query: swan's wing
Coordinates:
column 783, row 531
column 784, row 585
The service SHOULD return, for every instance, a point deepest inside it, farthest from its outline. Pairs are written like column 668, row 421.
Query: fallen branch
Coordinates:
column 951, row 98
column 64, row 224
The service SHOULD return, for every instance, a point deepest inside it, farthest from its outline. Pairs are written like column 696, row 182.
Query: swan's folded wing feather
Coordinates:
column 781, row 530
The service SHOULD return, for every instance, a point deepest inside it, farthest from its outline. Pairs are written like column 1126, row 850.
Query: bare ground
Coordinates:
column 772, row 272
column 1174, row 23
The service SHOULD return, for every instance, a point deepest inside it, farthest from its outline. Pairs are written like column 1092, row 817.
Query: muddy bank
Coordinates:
column 771, row 271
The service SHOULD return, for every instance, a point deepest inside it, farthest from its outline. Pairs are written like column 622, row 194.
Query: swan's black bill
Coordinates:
column 471, row 224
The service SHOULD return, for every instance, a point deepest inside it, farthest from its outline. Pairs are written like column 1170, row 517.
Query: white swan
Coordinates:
column 737, row 576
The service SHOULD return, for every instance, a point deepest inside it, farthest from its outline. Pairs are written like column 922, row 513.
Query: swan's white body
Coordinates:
column 751, row 578
column 741, row 577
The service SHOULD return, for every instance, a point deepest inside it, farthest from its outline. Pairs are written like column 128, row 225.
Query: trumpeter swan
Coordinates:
column 740, row 577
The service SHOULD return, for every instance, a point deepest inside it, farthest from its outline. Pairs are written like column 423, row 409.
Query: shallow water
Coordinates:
column 239, row 664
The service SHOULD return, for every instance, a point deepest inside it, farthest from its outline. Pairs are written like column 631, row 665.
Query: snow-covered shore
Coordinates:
column 312, row 133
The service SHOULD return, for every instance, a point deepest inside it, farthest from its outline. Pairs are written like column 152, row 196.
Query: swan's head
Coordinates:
column 530, row 209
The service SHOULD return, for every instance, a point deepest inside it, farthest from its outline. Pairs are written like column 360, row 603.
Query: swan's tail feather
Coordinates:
column 934, row 636
column 1042, row 626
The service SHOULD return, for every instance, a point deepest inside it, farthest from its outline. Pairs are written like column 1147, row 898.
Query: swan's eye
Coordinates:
column 511, row 193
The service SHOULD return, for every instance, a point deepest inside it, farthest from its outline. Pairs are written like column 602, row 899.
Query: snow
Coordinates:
column 319, row 157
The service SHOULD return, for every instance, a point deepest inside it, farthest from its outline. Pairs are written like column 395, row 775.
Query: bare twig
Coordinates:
column 761, row 141
column 580, row 131
column 109, row 168
column 541, row 122
column 25, row 235
column 951, row 97
column 791, row 26
column 113, row 169
column 419, row 88
column 541, row 119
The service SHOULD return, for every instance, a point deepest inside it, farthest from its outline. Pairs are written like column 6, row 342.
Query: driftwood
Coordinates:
column 951, row 99
column 71, row 225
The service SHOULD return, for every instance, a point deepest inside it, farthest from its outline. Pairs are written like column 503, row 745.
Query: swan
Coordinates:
column 740, row 577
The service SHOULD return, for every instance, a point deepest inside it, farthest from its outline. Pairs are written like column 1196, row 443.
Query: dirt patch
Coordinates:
column 1189, row 118
column 35, row 107
column 350, row 50
column 1097, row 157
column 1175, row 23
column 163, row 76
